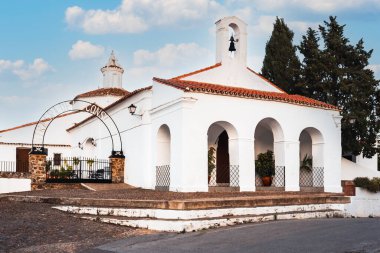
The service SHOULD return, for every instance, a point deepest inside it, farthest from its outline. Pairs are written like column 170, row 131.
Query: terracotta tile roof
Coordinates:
column 130, row 94
column 103, row 92
column 30, row 144
column 35, row 122
column 216, row 89
column 198, row 71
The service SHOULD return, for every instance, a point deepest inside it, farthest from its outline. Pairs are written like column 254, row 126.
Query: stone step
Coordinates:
column 200, row 224
column 190, row 204
column 194, row 214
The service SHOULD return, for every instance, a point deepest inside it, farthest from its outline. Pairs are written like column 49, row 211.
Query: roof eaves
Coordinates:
column 34, row 123
column 111, row 105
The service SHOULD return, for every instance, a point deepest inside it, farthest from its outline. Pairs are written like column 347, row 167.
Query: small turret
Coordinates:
column 112, row 73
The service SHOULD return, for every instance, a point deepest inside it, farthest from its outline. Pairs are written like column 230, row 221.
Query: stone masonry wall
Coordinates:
column 14, row 175
column 37, row 168
column 117, row 166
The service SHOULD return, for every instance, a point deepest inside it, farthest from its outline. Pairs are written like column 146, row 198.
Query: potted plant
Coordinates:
column 54, row 173
column 265, row 167
column 211, row 161
column 76, row 161
column 90, row 162
column 306, row 163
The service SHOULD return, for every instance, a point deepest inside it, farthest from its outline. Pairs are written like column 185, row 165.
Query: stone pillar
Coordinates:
column 117, row 167
column 37, row 169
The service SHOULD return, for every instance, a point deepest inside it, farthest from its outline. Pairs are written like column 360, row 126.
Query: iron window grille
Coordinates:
column 278, row 179
column 163, row 177
column 313, row 178
column 231, row 175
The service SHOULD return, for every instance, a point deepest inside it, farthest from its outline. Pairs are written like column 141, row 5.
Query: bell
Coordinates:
column 232, row 45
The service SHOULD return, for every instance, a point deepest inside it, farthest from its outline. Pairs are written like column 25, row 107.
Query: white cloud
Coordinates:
column 134, row 16
column 171, row 55
column 23, row 71
column 168, row 61
column 34, row 70
column 263, row 26
column 375, row 68
column 73, row 15
column 85, row 50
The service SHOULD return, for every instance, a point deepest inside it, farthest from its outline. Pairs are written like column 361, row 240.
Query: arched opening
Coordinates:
column 163, row 158
column 268, row 137
column 223, row 167
column 311, row 159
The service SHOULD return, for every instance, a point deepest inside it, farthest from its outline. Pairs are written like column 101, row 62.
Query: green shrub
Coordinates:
column 372, row 185
column 361, row 182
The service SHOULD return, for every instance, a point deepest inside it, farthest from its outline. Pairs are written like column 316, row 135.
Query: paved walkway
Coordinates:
column 327, row 235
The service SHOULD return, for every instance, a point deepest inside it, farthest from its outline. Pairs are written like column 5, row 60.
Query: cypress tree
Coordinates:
column 281, row 64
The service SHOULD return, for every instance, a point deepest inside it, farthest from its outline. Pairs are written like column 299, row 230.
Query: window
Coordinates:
column 57, row 159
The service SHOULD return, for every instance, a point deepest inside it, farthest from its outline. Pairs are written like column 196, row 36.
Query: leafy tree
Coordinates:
column 338, row 74
column 281, row 64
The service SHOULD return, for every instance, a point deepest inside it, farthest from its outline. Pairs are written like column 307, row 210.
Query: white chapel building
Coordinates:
column 227, row 106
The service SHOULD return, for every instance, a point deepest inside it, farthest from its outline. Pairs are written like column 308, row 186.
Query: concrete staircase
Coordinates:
column 198, row 214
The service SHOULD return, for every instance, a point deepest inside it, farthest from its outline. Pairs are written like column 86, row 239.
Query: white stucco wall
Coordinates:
column 136, row 138
column 9, row 185
column 364, row 204
column 370, row 163
column 351, row 170
column 190, row 119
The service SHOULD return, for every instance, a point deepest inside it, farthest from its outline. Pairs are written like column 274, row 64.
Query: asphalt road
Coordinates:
column 318, row 235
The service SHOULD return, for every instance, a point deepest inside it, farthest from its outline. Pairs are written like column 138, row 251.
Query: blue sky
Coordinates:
column 52, row 50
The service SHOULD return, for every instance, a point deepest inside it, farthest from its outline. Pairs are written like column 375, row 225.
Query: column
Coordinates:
column 117, row 168
column 246, row 164
column 287, row 154
column 37, row 169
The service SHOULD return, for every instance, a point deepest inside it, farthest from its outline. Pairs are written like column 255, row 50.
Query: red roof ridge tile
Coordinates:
column 34, row 123
column 218, row 89
column 130, row 94
column 266, row 80
column 30, row 144
column 113, row 91
column 198, row 71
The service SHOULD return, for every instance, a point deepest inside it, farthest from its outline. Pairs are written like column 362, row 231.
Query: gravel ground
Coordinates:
column 35, row 227
column 144, row 194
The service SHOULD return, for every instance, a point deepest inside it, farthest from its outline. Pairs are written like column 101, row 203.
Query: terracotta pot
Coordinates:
column 267, row 181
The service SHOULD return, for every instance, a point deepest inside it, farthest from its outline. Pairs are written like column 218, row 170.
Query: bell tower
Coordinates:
column 231, row 41
column 112, row 73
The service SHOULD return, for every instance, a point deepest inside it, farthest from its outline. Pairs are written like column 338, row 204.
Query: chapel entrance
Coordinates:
column 222, row 160
column 223, row 155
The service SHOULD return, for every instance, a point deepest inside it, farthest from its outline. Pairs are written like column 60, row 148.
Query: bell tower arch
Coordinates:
column 224, row 27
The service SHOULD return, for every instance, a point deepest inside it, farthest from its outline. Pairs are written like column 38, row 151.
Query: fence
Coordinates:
column 78, row 169
column 163, row 177
column 7, row 166
column 13, row 166
column 312, row 178
column 278, row 178
column 228, row 177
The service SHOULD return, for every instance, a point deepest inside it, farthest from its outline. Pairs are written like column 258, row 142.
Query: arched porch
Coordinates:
column 311, row 175
column 223, row 155
column 268, row 134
